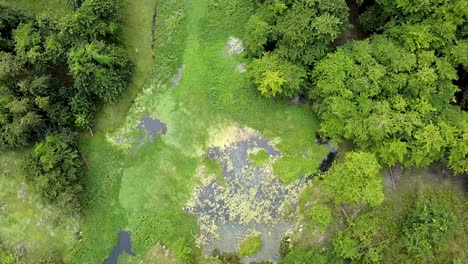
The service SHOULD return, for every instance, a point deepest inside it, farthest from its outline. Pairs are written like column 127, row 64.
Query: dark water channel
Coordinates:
column 332, row 154
column 124, row 245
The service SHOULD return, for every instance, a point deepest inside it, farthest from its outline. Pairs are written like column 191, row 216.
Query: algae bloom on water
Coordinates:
column 250, row 246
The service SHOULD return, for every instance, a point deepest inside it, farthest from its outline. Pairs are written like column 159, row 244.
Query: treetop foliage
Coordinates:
column 389, row 100
column 293, row 33
column 53, row 73
column 355, row 181
column 53, row 76
column 55, row 169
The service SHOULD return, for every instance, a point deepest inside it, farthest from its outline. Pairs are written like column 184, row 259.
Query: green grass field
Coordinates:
column 43, row 7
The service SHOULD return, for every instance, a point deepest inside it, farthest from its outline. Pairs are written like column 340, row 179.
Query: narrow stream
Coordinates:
column 332, row 154
column 124, row 245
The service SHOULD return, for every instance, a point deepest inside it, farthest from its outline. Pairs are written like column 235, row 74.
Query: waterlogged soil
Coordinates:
column 124, row 245
column 152, row 127
column 253, row 201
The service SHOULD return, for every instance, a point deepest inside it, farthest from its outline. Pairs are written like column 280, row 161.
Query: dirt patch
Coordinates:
column 241, row 67
column 234, row 46
column 176, row 79
column 252, row 201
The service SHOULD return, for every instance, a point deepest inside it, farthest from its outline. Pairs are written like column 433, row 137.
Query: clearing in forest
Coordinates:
column 198, row 104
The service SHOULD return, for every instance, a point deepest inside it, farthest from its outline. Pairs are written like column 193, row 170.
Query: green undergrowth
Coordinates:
column 250, row 246
column 42, row 7
column 213, row 167
column 385, row 223
column 25, row 220
column 103, row 216
column 259, row 158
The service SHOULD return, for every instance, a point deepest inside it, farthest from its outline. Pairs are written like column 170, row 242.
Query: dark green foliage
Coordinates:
column 275, row 76
column 388, row 100
column 94, row 20
column 226, row 258
column 311, row 255
column 9, row 19
column 39, row 90
column 55, row 169
column 355, row 181
column 425, row 229
column 306, row 29
column 100, row 70
column 412, row 22
column 297, row 33
column 37, row 44
column 74, row 4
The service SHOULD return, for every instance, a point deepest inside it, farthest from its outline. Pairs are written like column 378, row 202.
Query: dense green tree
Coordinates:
column 355, row 181
column 387, row 100
column 10, row 18
column 94, row 20
column 458, row 154
column 100, row 70
column 363, row 240
column 55, row 170
column 412, row 22
column 292, row 35
column 306, row 29
column 274, row 76
column 54, row 74
column 300, row 31
column 257, row 36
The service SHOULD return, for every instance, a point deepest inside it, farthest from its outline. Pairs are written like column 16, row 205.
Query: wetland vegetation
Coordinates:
column 233, row 131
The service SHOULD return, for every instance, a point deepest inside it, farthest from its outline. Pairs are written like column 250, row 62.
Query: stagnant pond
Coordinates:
column 250, row 202
column 124, row 245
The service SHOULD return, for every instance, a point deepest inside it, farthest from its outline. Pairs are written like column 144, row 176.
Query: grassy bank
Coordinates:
column 42, row 7
column 137, row 23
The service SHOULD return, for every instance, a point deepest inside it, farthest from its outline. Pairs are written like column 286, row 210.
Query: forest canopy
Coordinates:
column 54, row 75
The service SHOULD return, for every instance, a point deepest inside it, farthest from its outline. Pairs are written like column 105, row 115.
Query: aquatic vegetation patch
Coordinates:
column 253, row 200
column 250, row 246
column 259, row 157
